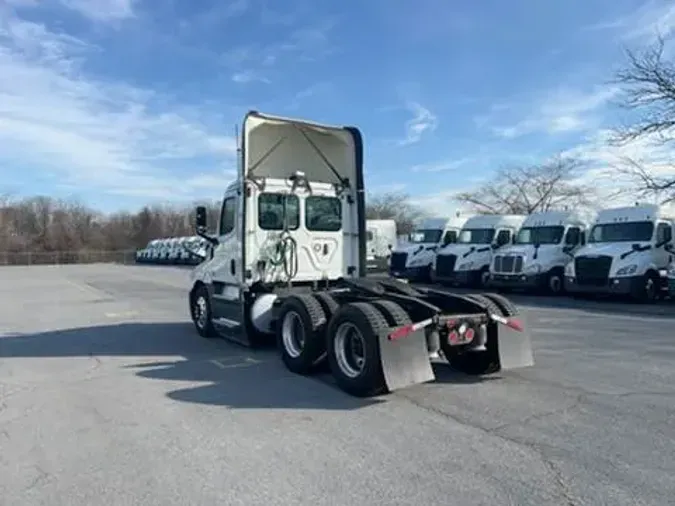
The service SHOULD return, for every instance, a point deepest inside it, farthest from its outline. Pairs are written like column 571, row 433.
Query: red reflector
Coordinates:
column 515, row 324
column 468, row 335
column 402, row 332
column 452, row 336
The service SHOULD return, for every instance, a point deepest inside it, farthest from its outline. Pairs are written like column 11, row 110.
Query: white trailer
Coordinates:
column 289, row 263
column 543, row 246
column 627, row 253
column 381, row 238
column 413, row 259
column 467, row 262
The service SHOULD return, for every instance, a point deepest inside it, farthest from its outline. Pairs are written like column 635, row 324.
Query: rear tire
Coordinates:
column 507, row 307
column 300, row 332
column 354, row 349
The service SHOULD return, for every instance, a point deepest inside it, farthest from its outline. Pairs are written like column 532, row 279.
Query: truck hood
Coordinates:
column 526, row 250
column 613, row 249
column 413, row 247
column 470, row 250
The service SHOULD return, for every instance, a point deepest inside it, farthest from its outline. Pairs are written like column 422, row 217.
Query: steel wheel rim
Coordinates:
column 650, row 289
column 201, row 311
column 293, row 334
column 555, row 284
column 350, row 347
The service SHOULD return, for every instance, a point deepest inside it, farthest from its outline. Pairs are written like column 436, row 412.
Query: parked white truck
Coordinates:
column 381, row 238
column 543, row 246
column 288, row 263
column 627, row 253
column 414, row 259
column 467, row 262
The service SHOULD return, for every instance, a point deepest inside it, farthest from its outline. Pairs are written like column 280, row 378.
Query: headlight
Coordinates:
column 465, row 266
column 533, row 269
column 627, row 271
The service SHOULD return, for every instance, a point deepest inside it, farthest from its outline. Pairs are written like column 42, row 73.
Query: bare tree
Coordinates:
column 649, row 89
column 394, row 206
column 525, row 190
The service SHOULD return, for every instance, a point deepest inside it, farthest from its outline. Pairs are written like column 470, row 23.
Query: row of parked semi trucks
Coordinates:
column 173, row 251
column 620, row 251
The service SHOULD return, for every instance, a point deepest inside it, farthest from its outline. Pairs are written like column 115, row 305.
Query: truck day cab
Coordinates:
column 627, row 252
column 543, row 246
column 414, row 259
column 467, row 262
column 289, row 263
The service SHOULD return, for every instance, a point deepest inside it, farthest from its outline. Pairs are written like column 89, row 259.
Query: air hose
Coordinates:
column 286, row 250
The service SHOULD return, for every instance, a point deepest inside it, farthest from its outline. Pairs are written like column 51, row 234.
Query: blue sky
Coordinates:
column 123, row 102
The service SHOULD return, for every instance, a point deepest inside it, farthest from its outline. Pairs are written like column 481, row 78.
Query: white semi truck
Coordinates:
column 381, row 238
column 413, row 260
column 289, row 263
column 627, row 252
column 543, row 246
column 467, row 261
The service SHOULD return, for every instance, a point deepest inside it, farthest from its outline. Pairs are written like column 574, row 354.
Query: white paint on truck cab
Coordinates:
column 627, row 250
column 467, row 262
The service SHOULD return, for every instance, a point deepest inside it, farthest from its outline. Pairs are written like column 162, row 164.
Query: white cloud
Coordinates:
column 246, row 77
column 102, row 10
column 100, row 135
column 558, row 111
column 605, row 160
column 442, row 166
column 643, row 25
column 422, row 122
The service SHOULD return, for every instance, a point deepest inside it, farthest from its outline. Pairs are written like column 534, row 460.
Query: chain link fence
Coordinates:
column 66, row 257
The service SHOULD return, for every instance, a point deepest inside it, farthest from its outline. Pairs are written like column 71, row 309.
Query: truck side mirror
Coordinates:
column 200, row 218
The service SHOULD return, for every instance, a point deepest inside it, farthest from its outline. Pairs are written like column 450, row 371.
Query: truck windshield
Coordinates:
column 540, row 235
column 476, row 236
column 631, row 231
column 426, row 235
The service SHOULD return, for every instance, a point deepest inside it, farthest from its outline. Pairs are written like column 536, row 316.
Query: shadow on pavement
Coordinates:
column 235, row 376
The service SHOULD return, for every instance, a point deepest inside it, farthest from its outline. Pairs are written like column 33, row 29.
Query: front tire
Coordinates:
column 354, row 349
column 648, row 290
column 200, row 311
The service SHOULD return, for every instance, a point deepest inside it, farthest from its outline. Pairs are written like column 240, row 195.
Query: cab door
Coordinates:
column 664, row 238
column 225, row 268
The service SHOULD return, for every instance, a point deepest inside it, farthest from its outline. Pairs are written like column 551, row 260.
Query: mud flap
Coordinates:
column 405, row 361
column 515, row 346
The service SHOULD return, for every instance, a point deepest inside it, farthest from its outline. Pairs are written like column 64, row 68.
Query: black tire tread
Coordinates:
column 209, row 332
column 507, row 307
column 395, row 315
column 316, row 333
column 376, row 323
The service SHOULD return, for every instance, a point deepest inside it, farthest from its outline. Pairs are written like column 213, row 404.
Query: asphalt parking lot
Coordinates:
column 107, row 396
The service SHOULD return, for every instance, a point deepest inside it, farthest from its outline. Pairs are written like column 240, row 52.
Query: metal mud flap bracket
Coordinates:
column 514, row 342
column 405, row 362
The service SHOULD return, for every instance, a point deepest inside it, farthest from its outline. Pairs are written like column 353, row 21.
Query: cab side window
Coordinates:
column 573, row 236
column 503, row 237
column 227, row 215
column 450, row 237
column 664, row 233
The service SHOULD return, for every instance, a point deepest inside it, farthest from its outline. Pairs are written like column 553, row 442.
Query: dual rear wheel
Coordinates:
column 313, row 330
